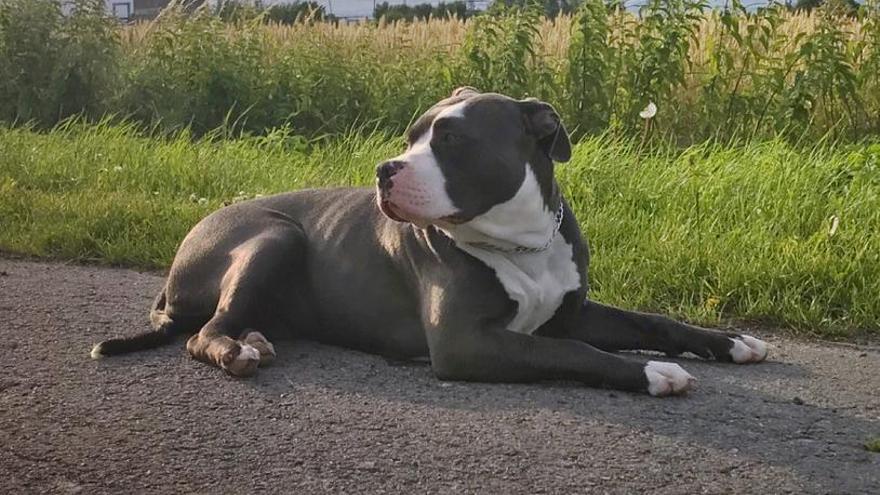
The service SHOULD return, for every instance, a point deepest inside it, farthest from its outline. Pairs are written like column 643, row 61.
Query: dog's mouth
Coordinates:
column 390, row 211
column 397, row 214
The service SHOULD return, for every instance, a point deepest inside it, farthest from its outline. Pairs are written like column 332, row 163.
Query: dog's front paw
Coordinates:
column 241, row 360
column 747, row 349
column 667, row 379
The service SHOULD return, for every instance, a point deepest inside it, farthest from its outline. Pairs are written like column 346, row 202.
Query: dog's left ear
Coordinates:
column 544, row 123
column 465, row 91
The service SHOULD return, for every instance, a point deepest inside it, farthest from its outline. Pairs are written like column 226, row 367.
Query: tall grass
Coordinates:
column 771, row 232
column 733, row 75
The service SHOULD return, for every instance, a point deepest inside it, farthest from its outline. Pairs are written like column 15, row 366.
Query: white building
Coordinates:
column 120, row 9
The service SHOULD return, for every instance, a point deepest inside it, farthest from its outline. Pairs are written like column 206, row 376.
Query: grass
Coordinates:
column 767, row 232
column 873, row 445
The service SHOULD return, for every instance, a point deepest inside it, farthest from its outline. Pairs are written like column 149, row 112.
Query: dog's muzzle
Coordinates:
column 385, row 173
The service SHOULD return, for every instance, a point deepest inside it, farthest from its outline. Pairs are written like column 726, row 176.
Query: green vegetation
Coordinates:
column 731, row 75
column 873, row 445
column 768, row 232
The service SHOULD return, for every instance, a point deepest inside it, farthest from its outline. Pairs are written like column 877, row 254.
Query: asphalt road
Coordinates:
column 330, row 420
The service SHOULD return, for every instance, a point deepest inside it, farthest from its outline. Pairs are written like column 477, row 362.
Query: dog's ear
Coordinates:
column 465, row 91
column 544, row 123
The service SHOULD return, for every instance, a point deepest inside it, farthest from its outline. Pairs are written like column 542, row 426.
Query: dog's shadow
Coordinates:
column 754, row 410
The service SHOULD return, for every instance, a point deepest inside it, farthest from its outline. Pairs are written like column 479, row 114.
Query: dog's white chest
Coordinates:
column 536, row 281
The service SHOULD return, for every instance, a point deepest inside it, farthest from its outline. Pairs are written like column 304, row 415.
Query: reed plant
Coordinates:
column 732, row 74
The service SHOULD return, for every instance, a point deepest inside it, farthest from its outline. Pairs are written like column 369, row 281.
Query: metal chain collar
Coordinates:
column 560, row 213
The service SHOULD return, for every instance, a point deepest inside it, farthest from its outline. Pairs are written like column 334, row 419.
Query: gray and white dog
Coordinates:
column 465, row 252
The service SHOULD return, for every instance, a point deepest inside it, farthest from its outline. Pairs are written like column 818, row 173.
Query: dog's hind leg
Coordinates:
column 217, row 344
column 259, row 342
column 262, row 268
column 613, row 329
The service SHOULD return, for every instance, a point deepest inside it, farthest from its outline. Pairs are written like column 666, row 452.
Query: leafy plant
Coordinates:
column 500, row 50
column 590, row 64
column 659, row 54
column 826, row 81
column 190, row 72
column 867, row 58
column 54, row 66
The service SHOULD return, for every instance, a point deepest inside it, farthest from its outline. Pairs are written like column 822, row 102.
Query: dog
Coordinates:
column 465, row 252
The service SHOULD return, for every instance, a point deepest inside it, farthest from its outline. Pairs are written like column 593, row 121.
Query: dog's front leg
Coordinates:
column 463, row 349
column 614, row 329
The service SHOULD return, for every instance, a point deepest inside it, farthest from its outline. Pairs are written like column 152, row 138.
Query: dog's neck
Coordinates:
column 527, row 222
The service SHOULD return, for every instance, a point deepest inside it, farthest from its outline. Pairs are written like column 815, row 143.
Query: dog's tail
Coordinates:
column 164, row 331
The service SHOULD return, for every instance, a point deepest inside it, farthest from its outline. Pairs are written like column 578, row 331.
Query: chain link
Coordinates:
column 560, row 213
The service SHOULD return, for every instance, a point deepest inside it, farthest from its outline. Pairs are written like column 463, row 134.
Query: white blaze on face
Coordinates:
column 419, row 190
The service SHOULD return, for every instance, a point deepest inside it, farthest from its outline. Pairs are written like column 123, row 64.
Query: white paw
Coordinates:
column 263, row 346
column 667, row 379
column 96, row 352
column 248, row 353
column 245, row 363
column 748, row 350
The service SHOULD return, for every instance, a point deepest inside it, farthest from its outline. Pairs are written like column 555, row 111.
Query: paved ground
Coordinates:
column 329, row 420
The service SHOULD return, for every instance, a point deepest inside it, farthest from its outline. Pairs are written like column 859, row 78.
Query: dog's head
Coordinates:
column 471, row 153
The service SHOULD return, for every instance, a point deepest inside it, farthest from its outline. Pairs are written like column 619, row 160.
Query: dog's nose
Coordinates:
column 384, row 173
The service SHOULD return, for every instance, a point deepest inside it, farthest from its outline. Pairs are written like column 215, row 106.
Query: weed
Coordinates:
column 54, row 66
